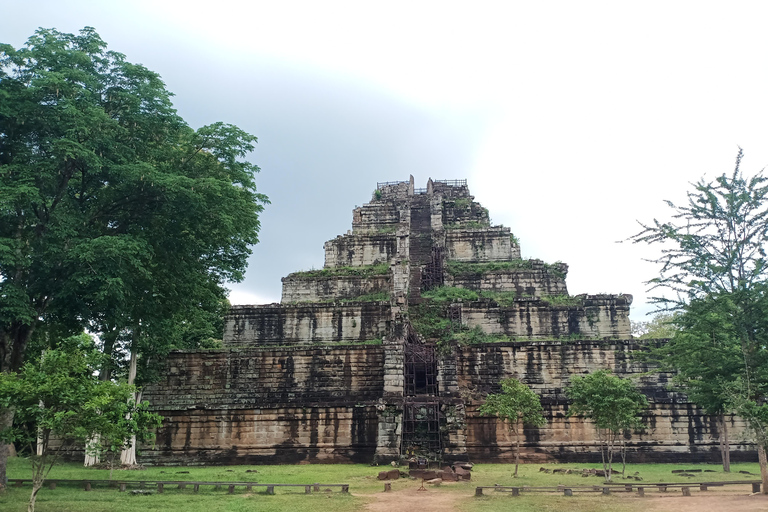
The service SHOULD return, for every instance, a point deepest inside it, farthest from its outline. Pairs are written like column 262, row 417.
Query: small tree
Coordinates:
column 518, row 405
column 614, row 406
column 60, row 403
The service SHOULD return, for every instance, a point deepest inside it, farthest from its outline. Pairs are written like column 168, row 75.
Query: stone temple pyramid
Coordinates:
column 420, row 309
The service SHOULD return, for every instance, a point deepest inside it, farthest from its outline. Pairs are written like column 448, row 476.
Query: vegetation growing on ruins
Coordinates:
column 461, row 203
column 330, row 272
column 368, row 297
column 715, row 270
column 430, row 321
column 562, row 300
column 462, row 268
column 448, row 294
column 500, row 298
column 467, row 224
column 476, row 335
column 386, row 229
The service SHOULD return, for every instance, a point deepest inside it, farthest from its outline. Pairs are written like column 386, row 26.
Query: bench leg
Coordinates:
column 567, row 492
column 270, row 489
column 52, row 486
column 159, row 488
column 122, row 486
column 387, row 487
column 515, row 491
column 479, row 491
column 87, row 486
column 344, row 488
column 755, row 487
column 641, row 491
column 196, row 487
column 686, row 491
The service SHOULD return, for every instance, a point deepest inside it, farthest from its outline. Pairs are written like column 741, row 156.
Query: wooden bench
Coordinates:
column 181, row 484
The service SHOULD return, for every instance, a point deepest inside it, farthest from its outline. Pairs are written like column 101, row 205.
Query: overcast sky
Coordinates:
column 571, row 120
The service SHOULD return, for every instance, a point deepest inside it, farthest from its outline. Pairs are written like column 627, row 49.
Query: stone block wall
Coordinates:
column 298, row 288
column 676, row 429
column 480, row 244
column 306, row 323
column 599, row 317
column 537, row 281
column 376, row 216
column 360, row 249
column 279, row 405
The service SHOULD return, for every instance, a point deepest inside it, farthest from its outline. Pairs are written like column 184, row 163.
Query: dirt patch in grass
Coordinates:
column 411, row 499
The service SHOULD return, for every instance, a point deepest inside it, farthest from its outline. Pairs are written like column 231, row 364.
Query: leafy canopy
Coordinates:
column 59, row 403
column 516, row 403
column 611, row 402
column 715, row 243
column 115, row 215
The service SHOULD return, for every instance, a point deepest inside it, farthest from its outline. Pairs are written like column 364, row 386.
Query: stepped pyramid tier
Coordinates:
column 406, row 241
column 387, row 351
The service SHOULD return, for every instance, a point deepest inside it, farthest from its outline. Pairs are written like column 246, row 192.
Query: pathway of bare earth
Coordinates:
column 459, row 497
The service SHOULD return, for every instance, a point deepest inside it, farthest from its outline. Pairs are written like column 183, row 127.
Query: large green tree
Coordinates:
column 714, row 275
column 517, row 405
column 115, row 215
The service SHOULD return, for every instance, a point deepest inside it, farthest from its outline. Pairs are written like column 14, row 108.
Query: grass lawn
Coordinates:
column 364, row 488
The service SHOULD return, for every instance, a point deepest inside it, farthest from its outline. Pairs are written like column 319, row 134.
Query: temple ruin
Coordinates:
column 388, row 350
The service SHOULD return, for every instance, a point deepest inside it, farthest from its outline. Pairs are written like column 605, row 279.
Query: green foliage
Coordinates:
column 501, row 298
column 517, row 405
column 115, row 215
column 369, row 297
column 715, row 277
column 614, row 406
column 514, row 240
column 430, row 321
column 59, row 398
column 561, row 300
column 476, row 335
column 466, row 224
column 377, row 195
column 386, row 229
column 462, row 203
column 661, row 326
column 609, row 401
column 330, row 272
column 461, row 268
column 449, row 294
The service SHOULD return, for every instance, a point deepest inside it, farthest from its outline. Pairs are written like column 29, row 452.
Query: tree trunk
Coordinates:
column 623, row 456
column 13, row 344
column 36, row 486
column 725, row 444
column 763, row 467
column 517, row 453
column 128, row 456
column 6, row 420
column 91, row 451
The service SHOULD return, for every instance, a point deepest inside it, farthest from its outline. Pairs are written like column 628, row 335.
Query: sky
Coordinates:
column 571, row 121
